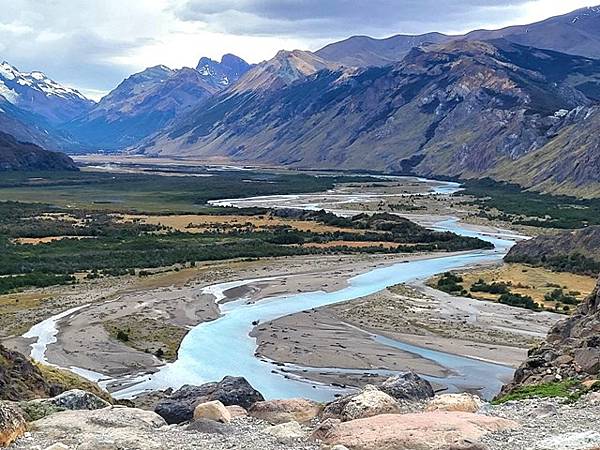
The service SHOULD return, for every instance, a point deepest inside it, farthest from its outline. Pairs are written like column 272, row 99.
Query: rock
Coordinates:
column 588, row 360
column 455, row 402
column 209, row 427
column 12, row 424
column 593, row 398
column 339, row 447
column 407, row 386
column 286, row 431
column 75, row 399
column 282, row 411
column 439, row 430
column 370, row 402
column 111, row 428
column 236, row 411
column 545, row 409
column 179, row 406
column 58, row 446
column 212, row 411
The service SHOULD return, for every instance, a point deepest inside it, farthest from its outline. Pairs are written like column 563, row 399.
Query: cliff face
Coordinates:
column 571, row 349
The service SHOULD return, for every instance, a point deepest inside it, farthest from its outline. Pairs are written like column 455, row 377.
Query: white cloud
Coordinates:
column 94, row 44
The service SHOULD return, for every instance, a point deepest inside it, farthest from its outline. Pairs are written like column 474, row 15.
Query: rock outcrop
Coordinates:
column 12, row 424
column 571, row 349
column 231, row 391
column 20, row 379
column 72, row 400
column 110, row 428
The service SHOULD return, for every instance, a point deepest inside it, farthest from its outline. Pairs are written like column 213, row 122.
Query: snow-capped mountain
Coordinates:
column 225, row 73
column 35, row 93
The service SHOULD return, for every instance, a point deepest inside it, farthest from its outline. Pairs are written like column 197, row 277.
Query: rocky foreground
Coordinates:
column 399, row 414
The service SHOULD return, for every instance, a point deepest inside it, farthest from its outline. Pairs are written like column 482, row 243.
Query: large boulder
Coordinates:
column 73, row 400
column 12, row 424
column 407, row 386
column 108, row 428
column 455, row 402
column 212, row 411
column 370, row 401
column 571, row 349
column 77, row 399
column 231, row 391
column 423, row 431
column 283, row 411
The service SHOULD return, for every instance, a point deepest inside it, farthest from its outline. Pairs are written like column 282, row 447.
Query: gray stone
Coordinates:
column 407, row 386
column 207, row 426
column 231, row 391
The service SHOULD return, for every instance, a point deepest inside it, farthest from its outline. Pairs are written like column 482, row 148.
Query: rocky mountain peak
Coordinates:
column 282, row 70
column 222, row 74
column 34, row 92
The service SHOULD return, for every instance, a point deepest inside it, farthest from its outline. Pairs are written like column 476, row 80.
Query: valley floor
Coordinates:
column 129, row 325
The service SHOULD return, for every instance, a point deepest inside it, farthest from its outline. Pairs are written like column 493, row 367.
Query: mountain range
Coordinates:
column 576, row 33
column 516, row 104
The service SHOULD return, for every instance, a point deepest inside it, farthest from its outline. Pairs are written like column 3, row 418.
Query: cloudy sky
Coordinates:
column 93, row 44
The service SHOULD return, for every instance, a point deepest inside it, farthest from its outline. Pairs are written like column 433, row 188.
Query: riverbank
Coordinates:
column 181, row 300
column 343, row 335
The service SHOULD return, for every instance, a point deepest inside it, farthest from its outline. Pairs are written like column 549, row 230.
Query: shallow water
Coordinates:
column 223, row 347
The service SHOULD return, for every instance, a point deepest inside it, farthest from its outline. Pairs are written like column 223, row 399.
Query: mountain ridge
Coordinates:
column 577, row 32
column 454, row 109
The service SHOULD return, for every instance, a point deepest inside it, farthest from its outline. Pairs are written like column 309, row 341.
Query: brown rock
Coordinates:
column 424, row 431
column 588, row 359
column 283, row 411
column 455, row 402
column 212, row 411
column 12, row 424
column 236, row 411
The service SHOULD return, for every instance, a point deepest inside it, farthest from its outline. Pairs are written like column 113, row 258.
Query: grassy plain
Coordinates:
column 525, row 280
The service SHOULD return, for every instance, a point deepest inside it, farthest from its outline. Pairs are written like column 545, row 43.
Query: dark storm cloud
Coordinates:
column 326, row 18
